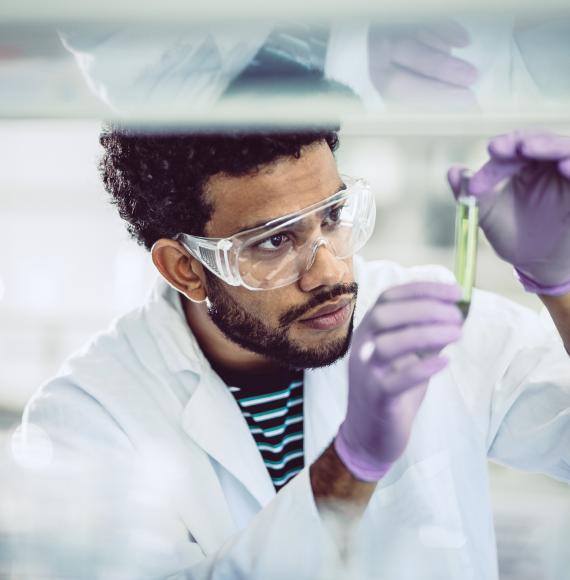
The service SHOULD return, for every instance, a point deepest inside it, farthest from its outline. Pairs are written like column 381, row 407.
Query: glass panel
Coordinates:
column 362, row 68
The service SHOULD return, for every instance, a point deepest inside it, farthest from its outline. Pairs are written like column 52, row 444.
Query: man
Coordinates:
column 232, row 382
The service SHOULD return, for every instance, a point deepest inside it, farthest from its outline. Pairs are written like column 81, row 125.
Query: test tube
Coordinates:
column 466, row 240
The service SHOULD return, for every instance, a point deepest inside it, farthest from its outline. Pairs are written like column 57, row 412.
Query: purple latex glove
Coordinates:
column 524, row 197
column 414, row 65
column 394, row 353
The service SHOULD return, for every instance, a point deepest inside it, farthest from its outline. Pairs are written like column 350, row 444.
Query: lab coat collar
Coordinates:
column 213, row 420
column 175, row 340
column 211, row 416
column 325, row 400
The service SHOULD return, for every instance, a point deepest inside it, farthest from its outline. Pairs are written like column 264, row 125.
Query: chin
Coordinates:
column 310, row 337
column 325, row 349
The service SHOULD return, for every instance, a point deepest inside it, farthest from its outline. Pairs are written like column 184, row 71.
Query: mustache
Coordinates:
column 318, row 299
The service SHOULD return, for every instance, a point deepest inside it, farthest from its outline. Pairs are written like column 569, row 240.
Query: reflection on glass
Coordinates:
column 172, row 71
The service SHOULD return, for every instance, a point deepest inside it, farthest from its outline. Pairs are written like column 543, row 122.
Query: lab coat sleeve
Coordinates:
column 133, row 68
column 70, row 417
column 528, row 403
column 98, row 491
column 285, row 540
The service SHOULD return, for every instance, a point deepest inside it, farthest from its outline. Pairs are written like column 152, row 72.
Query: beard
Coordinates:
column 251, row 333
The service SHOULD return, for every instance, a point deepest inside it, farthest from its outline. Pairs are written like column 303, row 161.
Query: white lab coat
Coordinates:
column 145, row 390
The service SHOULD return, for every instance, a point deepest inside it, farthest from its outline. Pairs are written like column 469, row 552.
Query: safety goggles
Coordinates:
column 279, row 252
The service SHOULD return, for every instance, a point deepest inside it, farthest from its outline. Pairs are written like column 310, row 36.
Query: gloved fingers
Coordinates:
column 405, row 87
column 507, row 147
column 533, row 145
column 509, row 154
column 432, row 39
column 454, row 175
column 422, row 290
column 388, row 316
column 403, row 363
column 564, row 168
column 449, row 32
column 402, row 380
column 530, row 144
column 429, row 62
column 413, row 340
column 487, row 182
column 545, row 147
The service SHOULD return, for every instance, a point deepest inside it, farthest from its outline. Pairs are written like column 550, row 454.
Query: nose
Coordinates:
column 324, row 269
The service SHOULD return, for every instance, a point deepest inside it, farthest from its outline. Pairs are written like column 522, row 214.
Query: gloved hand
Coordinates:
column 524, row 198
column 413, row 65
column 394, row 353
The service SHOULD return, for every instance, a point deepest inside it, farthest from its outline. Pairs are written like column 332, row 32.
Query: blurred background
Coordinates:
column 67, row 267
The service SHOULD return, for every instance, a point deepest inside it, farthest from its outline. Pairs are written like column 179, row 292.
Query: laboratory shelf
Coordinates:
column 218, row 10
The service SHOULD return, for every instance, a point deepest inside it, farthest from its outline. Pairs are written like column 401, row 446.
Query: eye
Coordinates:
column 334, row 214
column 273, row 243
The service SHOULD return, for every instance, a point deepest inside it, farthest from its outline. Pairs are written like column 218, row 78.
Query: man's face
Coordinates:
column 274, row 323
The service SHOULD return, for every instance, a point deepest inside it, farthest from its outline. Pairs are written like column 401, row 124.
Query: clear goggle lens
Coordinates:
column 279, row 252
column 280, row 255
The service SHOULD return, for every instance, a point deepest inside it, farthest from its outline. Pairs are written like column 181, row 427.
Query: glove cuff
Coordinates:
column 531, row 286
column 359, row 469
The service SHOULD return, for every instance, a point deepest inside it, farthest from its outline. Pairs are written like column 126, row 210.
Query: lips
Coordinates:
column 328, row 309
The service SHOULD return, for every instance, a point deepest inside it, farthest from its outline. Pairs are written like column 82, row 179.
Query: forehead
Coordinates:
column 277, row 189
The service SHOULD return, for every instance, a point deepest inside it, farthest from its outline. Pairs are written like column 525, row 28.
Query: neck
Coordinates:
column 223, row 354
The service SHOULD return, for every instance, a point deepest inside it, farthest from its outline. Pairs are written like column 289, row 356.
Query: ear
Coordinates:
column 179, row 269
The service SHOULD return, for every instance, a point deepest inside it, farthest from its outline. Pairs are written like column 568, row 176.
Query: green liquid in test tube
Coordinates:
column 466, row 240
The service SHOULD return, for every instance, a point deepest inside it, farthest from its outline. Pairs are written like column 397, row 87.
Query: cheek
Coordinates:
column 349, row 271
column 260, row 305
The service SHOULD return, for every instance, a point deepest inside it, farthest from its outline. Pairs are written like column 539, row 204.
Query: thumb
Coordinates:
column 454, row 177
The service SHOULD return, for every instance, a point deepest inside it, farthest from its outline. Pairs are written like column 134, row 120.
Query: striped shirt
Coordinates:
column 273, row 411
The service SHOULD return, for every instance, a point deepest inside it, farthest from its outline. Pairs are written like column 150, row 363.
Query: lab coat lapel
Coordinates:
column 326, row 394
column 181, row 470
column 211, row 416
column 214, row 422
column 202, row 505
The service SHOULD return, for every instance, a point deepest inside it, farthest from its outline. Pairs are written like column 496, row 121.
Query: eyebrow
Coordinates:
column 259, row 223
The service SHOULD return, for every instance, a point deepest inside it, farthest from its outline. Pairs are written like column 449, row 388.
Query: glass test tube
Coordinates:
column 466, row 240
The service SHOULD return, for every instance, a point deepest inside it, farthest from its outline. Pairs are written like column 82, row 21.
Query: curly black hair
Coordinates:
column 157, row 180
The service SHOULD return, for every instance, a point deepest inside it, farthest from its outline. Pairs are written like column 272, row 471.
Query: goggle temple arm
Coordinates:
column 224, row 246
column 214, row 255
